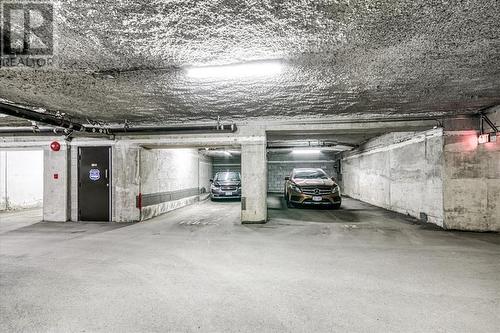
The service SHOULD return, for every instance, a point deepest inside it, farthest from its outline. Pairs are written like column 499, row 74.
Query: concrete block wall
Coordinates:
column 400, row 172
column 227, row 163
column 21, row 179
column 280, row 165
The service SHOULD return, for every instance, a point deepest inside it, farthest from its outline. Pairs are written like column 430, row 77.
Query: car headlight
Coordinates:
column 335, row 189
column 295, row 188
column 214, row 187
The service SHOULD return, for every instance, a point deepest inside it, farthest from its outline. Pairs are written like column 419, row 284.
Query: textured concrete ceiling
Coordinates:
column 126, row 60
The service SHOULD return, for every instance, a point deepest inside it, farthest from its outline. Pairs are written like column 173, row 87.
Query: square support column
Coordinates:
column 254, row 183
column 471, row 178
column 56, row 180
column 125, row 182
column 471, row 182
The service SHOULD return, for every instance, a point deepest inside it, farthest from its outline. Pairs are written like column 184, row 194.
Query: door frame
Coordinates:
column 110, row 187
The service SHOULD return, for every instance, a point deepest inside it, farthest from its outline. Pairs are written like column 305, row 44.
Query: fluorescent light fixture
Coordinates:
column 227, row 153
column 235, row 71
column 306, row 151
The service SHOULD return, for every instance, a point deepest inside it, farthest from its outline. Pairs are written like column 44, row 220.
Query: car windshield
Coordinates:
column 310, row 174
column 227, row 176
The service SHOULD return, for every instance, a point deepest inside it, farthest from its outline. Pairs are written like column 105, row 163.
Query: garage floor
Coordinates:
column 197, row 269
column 13, row 220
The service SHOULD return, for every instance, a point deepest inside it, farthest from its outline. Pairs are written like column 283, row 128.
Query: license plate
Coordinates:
column 317, row 198
column 229, row 193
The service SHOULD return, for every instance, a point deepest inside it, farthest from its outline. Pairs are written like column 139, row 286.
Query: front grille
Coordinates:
column 228, row 188
column 316, row 190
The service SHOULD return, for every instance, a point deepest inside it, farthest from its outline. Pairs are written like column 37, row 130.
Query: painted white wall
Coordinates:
column 3, row 164
column 167, row 170
column 205, row 172
column 21, row 180
column 402, row 172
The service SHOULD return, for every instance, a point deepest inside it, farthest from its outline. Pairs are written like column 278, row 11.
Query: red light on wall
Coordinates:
column 55, row 146
column 56, row 176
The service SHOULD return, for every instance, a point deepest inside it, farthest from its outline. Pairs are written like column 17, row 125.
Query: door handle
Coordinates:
column 106, row 173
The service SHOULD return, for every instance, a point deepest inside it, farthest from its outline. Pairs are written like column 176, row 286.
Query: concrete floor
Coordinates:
column 358, row 269
column 12, row 220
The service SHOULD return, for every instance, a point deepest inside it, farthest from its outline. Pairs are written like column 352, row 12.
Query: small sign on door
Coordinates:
column 94, row 174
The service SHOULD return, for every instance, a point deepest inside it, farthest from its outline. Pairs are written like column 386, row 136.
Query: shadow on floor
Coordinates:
column 86, row 228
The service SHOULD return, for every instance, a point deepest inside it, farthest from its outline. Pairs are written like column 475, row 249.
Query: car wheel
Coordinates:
column 288, row 203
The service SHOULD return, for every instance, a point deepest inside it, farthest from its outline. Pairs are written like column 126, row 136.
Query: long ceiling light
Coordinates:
column 306, row 151
column 235, row 71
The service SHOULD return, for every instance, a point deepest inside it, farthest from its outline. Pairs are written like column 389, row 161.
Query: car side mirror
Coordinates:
column 287, row 178
column 333, row 178
column 211, row 180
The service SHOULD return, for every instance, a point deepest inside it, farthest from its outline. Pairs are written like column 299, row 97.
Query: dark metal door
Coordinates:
column 94, row 174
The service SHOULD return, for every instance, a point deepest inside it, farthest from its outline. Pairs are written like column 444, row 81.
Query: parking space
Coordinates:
column 198, row 268
column 352, row 213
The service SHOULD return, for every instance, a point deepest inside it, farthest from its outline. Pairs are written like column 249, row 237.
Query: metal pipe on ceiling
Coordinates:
column 59, row 122
column 32, row 130
column 45, row 118
column 227, row 128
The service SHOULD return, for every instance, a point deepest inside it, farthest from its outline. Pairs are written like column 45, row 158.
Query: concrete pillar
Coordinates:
column 471, row 180
column 254, row 183
column 471, row 183
column 125, row 182
column 56, row 180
